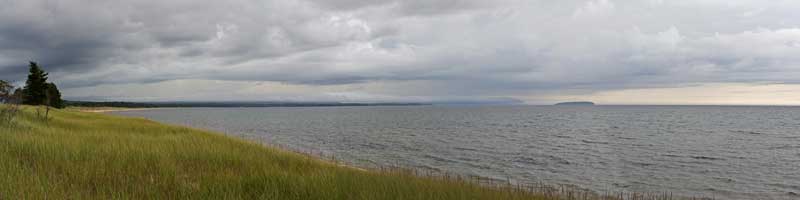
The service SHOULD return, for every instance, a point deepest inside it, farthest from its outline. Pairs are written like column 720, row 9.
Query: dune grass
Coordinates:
column 78, row 155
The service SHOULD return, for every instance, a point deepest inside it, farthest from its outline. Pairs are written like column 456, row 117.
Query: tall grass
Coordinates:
column 77, row 155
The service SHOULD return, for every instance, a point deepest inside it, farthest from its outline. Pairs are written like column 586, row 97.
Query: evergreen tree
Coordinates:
column 35, row 90
column 54, row 96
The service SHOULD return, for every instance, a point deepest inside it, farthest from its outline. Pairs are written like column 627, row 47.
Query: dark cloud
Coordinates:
column 454, row 47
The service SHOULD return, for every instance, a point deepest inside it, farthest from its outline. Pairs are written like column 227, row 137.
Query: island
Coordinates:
column 576, row 103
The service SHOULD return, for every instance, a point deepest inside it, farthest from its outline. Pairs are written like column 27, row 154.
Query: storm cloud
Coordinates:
column 392, row 50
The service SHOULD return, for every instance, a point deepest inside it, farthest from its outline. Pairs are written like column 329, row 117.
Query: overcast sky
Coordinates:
column 607, row 51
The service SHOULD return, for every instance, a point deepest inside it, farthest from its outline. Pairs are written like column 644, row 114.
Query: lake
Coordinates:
column 724, row 152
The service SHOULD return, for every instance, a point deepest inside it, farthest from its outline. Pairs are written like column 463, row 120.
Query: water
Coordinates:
column 721, row 152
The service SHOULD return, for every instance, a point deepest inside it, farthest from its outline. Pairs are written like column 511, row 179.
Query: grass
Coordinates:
column 80, row 155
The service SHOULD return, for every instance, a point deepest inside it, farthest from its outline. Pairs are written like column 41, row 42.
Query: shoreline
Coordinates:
column 108, row 109
column 484, row 181
column 117, row 110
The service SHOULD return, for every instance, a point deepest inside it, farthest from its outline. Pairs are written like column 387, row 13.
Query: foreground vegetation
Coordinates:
column 79, row 155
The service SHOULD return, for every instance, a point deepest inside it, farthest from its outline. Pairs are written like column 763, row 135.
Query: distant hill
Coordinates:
column 576, row 103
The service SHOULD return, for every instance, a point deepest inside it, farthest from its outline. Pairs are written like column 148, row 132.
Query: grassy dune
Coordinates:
column 78, row 155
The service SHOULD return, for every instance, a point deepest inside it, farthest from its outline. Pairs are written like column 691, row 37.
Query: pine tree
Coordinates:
column 54, row 96
column 35, row 90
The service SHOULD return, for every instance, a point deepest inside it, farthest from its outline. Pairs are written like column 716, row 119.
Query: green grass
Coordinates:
column 77, row 155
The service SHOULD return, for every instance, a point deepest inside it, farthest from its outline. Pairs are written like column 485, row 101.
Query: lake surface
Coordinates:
column 712, row 151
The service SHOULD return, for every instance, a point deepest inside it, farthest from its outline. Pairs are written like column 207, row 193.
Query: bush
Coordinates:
column 10, row 98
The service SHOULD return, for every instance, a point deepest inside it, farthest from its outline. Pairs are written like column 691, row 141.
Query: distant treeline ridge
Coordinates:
column 226, row 104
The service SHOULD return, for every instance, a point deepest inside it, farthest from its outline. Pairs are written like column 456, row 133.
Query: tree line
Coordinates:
column 37, row 92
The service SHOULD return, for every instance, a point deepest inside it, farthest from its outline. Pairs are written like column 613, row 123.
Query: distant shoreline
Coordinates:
column 576, row 103
column 178, row 104
column 106, row 109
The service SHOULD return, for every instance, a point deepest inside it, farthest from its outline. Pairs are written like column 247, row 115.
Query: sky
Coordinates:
column 728, row 52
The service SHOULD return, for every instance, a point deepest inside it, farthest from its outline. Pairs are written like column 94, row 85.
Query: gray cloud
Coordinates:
column 424, row 48
column 409, row 7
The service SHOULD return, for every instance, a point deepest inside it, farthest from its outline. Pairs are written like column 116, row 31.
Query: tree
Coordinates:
column 35, row 90
column 10, row 98
column 6, row 91
column 53, row 96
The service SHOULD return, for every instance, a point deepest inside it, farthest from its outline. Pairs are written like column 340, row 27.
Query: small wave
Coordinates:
column 672, row 155
column 465, row 149
column 468, row 159
column 729, row 180
column 784, row 147
column 409, row 148
column 528, row 160
column 706, row 158
column 478, row 166
column 748, row 132
column 541, row 160
column 440, row 159
column 621, row 185
column 559, row 160
column 785, row 186
column 373, row 145
column 641, row 164
column 626, row 138
column 593, row 142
